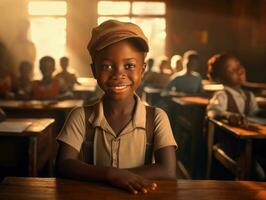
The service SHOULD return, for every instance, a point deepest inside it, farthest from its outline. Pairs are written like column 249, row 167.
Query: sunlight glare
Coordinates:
column 47, row 8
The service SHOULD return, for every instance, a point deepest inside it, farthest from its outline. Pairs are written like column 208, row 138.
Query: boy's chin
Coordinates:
column 118, row 97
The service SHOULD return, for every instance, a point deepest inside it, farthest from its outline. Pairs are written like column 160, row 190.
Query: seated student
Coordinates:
column 6, row 81
column 190, row 82
column 177, row 65
column 2, row 115
column 24, row 82
column 69, row 78
column 49, row 87
column 158, row 80
column 233, row 103
column 117, row 135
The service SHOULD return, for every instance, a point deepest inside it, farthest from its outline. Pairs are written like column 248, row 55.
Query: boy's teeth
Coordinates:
column 119, row 87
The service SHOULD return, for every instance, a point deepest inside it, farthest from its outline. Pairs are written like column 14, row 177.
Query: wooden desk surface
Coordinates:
column 255, row 131
column 38, row 105
column 36, row 127
column 191, row 100
column 261, row 101
column 51, row 188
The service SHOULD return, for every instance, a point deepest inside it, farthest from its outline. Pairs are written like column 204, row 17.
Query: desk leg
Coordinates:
column 210, row 144
column 246, row 159
column 33, row 156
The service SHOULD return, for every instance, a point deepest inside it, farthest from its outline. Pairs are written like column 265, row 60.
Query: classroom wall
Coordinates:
column 237, row 26
column 81, row 17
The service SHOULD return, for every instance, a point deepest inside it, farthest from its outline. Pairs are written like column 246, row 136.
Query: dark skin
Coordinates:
column 119, row 69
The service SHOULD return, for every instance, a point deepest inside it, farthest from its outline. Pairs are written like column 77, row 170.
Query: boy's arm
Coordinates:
column 164, row 167
column 68, row 165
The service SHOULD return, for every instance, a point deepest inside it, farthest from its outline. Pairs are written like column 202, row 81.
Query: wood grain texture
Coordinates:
column 59, row 189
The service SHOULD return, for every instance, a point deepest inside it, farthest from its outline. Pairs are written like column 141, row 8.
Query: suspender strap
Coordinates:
column 87, row 146
column 150, row 125
column 231, row 104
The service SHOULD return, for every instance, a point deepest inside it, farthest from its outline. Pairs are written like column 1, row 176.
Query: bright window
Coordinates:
column 48, row 29
column 113, row 8
column 151, row 8
column 150, row 16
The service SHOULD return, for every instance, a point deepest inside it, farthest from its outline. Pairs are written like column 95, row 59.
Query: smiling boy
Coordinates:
column 117, row 123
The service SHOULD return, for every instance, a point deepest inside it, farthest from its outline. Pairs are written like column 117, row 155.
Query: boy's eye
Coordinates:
column 130, row 66
column 106, row 66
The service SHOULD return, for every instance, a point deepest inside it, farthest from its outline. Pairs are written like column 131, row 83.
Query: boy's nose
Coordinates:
column 119, row 72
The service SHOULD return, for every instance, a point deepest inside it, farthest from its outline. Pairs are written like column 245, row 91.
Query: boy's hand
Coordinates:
column 238, row 120
column 129, row 181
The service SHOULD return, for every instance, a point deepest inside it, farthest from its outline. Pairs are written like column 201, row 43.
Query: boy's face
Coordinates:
column 118, row 69
column 234, row 74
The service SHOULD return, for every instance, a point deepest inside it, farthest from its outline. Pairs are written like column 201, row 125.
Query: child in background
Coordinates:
column 233, row 104
column 158, row 79
column 190, row 82
column 24, row 82
column 49, row 87
column 69, row 78
column 117, row 123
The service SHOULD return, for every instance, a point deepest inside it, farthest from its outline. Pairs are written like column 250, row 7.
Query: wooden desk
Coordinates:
column 240, row 133
column 17, row 105
column 40, row 109
column 61, row 189
column 261, row 102
column 191, row 100
column 29, row 147
column 189, row 122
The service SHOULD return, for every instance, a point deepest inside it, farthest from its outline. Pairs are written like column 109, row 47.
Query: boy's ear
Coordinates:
column 143, row 69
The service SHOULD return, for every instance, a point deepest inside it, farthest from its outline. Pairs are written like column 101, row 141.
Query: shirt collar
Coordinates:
column 234, row 92
column 97, row 117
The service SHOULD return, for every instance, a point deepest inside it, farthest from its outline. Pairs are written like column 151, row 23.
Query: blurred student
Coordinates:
column 5, row 85
column 176, row 64
column 158, row 79
column 69, row 79
column 190, row 82
column 24, row 82
column 115, row 130
column 233, row 103
column 6, row 75
column 48, row 88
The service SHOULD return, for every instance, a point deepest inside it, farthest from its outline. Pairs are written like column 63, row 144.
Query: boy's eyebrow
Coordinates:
column 128, row 59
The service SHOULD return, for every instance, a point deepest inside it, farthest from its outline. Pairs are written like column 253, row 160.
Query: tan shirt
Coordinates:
column 127, row 150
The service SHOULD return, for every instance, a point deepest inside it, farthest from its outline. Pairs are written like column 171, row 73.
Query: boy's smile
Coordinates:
column 118, row 69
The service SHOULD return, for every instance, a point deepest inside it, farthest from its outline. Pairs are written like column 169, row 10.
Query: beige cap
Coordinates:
column 112, row 31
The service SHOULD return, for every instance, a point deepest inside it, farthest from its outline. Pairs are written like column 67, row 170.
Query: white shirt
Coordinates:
column 218, row 103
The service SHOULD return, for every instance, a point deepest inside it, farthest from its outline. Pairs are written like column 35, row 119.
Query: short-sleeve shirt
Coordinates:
column 126, row 150
column 218, row 103
column 50, row 91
